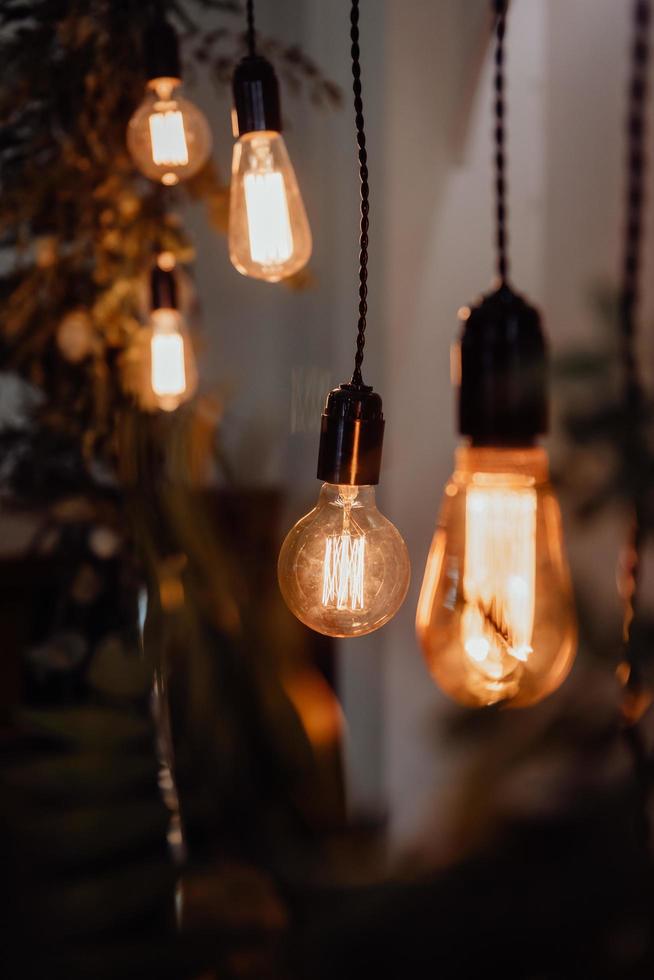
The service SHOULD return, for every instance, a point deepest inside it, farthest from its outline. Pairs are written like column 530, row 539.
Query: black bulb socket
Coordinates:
column 501, row 372
column 163, row 289
column 255, row 91
column 161, row 50
column 351, row 437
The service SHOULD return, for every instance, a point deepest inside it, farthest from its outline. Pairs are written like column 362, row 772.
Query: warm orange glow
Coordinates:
column 495, row 617
column 152, row 370
column 166, row 261
column 168, row 377
column 269, row 235
column 167, row 359
column 344, row 561
column 171, row 585
column 499, row 578
column 168, row 137
column 344, row 569
column 317, row 706
column 171, row 593
column 269, row 225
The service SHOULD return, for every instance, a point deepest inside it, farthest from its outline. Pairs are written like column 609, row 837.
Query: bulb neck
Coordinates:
column 165, row 320
column 161, row 51
column 500, row 369
column 256, row 97
column 164, row 87
column 344, row 495
column 351, row 437
column 530, row 462
column 163, row 289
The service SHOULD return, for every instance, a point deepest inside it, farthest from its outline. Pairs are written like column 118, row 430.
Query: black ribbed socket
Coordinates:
column 503, row 372
column 161, row 51
column 256, row 97
column 163, row 287
column 351, row 437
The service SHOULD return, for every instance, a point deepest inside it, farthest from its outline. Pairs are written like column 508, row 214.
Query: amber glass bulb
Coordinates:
column 173, row 376
column 496, row 616
column 269, row 235
column 168, row 137
column 344, row 569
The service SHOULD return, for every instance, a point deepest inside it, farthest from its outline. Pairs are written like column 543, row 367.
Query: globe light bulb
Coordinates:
column 269, row 235
column 343, row 568
column 172, row 377
column 496, row 616
column 168, row 137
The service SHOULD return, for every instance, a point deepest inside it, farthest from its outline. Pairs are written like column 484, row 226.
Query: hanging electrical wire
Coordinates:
column 636, row 697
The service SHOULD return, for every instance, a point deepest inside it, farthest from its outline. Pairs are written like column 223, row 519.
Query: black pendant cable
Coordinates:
column 255, row 88
column 503, row 369
column 636, row 697
column 500, row 155
column 365, row 194
column 250, row 35
column 352, row 429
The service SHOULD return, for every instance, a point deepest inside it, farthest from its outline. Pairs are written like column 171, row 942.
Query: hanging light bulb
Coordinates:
column 269, row 235
column 496, row 615
column 167, row 371
column 168, row 136
column 344, row 569
column 168, row 357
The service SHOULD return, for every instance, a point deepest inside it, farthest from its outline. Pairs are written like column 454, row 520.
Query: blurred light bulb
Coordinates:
column 496, row 617
column 344, row 569
column 171, row 376
column 269, row 235
column 168, row 137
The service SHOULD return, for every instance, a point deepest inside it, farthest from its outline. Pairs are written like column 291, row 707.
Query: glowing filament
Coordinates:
column 343, row 568
column 168, row 372
column 269, row 225
column 168, row 139
column 499, row 578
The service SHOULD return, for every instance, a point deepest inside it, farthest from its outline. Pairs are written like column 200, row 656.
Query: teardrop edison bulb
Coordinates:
column 168, row 137
column 344, row 569
column 173, row 374
column 269, row 234
column 496, row 616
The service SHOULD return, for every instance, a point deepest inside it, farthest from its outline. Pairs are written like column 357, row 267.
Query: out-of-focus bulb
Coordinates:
column 496, row 615
column 269, row 235
column 168, row 137
column 344, row 569
column 171, row 376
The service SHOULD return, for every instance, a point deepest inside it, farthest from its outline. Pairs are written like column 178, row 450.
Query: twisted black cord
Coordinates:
column 499, row 9
column 251, row 36
column 635, row 697
column 636, row 139
column 357, row 378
